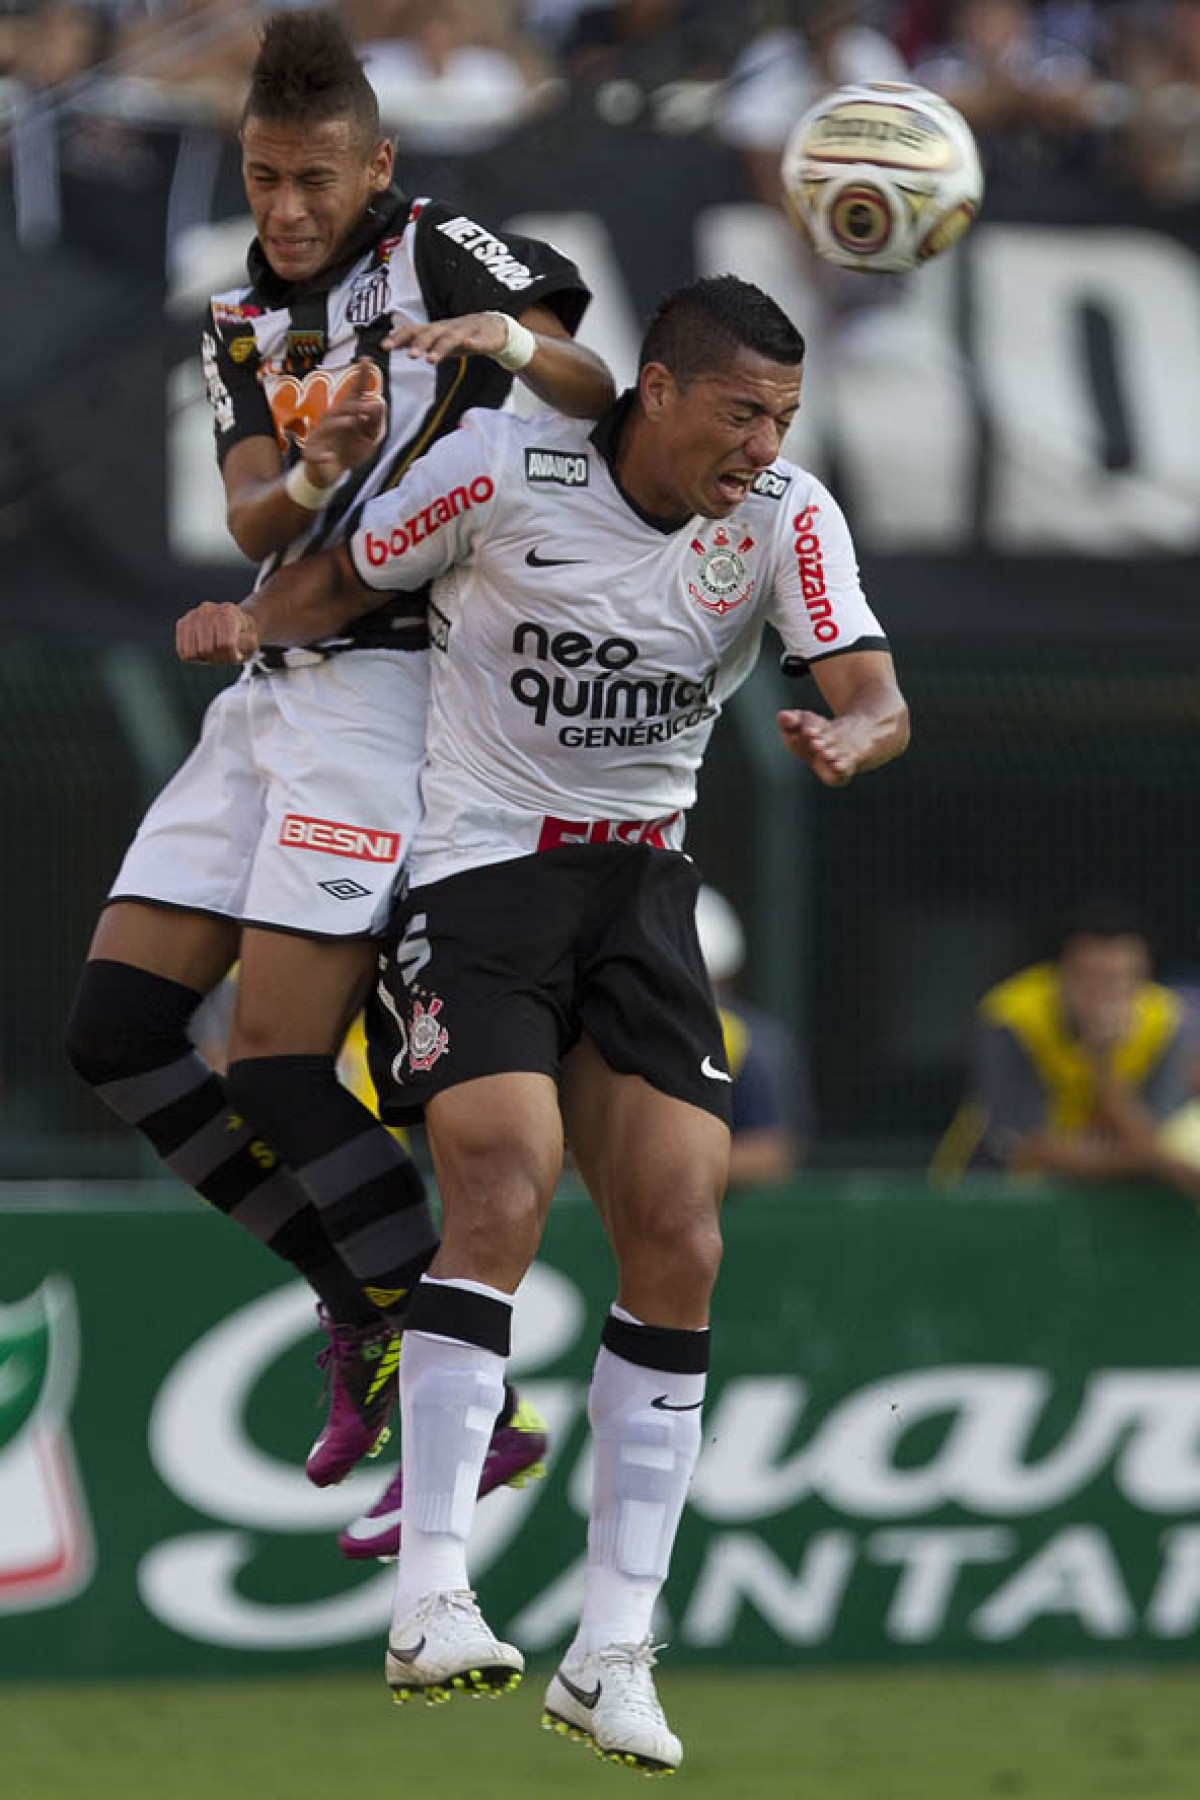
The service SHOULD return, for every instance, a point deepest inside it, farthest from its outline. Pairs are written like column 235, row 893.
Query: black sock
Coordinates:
column 127, row 1037
column 365, row 1186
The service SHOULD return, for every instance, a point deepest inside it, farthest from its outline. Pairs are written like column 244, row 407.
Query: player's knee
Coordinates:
column 695, row 1255
column 677, row 1249
column 494, row 1206
column 124, row 1021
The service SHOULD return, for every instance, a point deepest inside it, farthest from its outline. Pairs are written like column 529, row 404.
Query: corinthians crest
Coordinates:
column 721, row 571
column 427, row 1038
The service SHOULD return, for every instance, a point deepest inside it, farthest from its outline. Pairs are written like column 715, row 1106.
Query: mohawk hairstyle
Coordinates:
column 306, row 72
column 697, row 328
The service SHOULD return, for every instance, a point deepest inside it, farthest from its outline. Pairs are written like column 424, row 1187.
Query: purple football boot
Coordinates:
column 514, row 1457
column 361, row 1364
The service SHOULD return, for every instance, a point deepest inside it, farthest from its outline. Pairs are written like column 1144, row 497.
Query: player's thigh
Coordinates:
column 655, row 1165
column 339, row 745
column 194, row 849
column 497, row 1150
column 297, row 996
column 477, row 981
column 191, row 948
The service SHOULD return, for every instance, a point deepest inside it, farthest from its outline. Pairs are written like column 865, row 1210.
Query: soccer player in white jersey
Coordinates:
column 598, row 593
column 369, row 323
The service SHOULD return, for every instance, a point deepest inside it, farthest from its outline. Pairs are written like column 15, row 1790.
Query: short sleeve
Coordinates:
column 1169, row 1084
column 818, row 606
column 235, row 396
column 446, row 502
column 465, row 268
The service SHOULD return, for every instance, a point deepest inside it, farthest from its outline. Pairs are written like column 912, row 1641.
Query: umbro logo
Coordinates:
column 550, row 562
column 344, row 890
column 708, row 1067
column 664, row 1404
column 581, row 1694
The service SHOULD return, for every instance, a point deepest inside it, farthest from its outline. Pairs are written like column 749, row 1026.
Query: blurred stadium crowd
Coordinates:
column 1065, row 88
column 1015, row 454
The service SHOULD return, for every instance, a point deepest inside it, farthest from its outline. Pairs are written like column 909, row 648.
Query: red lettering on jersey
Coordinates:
column 298, row 406
column 811, row 567
column 302, row 833
column 430, row 519
column 557, row 832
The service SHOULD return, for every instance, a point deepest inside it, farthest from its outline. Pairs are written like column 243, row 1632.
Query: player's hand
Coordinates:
column 349, row 431
column 828, row 746
column 472, row 334
column 216, row 633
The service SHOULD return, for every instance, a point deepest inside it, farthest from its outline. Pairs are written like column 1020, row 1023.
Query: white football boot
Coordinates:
column 444, row 1647
column 607, row 1699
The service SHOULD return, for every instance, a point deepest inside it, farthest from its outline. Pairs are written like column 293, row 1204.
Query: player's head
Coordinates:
column 313, row 158
column 718, row 385
column 1103, row 961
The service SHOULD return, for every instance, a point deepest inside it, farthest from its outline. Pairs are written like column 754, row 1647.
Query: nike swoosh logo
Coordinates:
column 665, row 1405
column 709, row 1068
column 580, row 1694
column 410, row 1655
column 551, row 562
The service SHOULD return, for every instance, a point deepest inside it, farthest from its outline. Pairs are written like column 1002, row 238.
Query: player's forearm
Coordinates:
column 568, row 377
column 878, row 716
column 309, row 600
column 263, row 518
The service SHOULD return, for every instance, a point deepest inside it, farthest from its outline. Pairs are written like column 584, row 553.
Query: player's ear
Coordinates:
column 656, row 387
column 381, row 164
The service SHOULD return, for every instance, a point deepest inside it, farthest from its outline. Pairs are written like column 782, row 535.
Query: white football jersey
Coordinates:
column 582, row 653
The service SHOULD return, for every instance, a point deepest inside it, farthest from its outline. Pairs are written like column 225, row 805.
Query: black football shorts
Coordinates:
column 502, row 968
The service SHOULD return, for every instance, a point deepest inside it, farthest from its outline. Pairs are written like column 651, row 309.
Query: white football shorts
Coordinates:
column 297, row 807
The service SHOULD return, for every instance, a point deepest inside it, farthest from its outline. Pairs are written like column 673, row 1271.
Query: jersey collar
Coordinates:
column 385, row 217
column 606, row 435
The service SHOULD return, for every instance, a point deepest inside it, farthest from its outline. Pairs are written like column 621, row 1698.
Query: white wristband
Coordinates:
column 520, row 345
column 304, row 492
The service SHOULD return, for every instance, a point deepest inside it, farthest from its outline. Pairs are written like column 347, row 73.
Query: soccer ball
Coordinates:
column 881, row 176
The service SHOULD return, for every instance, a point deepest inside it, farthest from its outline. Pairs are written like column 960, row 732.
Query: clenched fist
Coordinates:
column 216, row 633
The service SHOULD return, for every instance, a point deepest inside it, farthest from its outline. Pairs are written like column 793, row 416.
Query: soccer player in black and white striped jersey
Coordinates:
column 369, row 324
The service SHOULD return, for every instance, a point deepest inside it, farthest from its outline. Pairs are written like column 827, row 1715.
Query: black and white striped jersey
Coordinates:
column 276, row 355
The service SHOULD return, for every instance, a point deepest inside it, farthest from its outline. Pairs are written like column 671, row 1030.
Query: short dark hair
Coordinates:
column 1099, row 916
column 306, row 72
column 698, row 327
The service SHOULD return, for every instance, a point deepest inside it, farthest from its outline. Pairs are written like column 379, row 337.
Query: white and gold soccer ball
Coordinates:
column 882, row 175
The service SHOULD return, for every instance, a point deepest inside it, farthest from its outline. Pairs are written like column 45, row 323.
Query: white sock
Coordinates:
column 450, row 1393
column 644, row 1457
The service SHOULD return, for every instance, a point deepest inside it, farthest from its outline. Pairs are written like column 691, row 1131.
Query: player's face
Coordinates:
column 718, row 431
column 1100, row 978
column 308, row 188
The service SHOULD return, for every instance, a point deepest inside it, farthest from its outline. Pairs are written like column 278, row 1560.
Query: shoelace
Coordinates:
column 462, row 1600
column 635, row 1661
column 342, row 1340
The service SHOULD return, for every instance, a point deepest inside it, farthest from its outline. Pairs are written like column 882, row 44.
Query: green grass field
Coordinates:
column 927, row 1735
